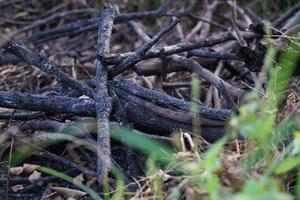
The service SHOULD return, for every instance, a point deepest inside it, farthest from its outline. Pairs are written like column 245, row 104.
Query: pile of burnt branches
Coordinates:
column 156, row 99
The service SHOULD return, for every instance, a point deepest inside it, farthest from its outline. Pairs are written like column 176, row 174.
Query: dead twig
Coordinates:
column 103, row 101
column 66, row 162
column 140, row 52
column 180, row 47
column 282, row 18
column 195, row 67
column 40, row 62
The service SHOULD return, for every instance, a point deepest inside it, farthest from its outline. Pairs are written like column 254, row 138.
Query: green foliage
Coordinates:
column 287, row 165
column 211, row 156
column 261, row 190
column 195, row 94
column 146, row 145
column 154, row 4
column 120, row 184
column 287, row 4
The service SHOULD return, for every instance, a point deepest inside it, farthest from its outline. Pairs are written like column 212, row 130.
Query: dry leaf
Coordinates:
column 78, row 179
column 29, row 167
column 16, row 170
column 17, row 188
column 34, row 176
column 68, row 192
column 84, row 97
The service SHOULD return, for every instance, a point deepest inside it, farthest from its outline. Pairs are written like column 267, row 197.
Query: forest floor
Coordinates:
column 160, row 99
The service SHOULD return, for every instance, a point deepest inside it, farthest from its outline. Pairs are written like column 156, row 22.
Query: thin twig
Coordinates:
column 193, row 66
column 211, row 54
column 280, row 20
column 180, row 47
column 40, row 62
column 80, row 26
column 140, row 52
column 209, row 22
column 55, row 16
column 66, row 162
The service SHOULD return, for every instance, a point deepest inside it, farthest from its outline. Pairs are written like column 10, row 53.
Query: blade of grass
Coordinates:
column 146, row 145
column 69, row 179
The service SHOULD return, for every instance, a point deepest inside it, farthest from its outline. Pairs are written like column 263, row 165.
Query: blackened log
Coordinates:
column 140, row 117
column 169, row 101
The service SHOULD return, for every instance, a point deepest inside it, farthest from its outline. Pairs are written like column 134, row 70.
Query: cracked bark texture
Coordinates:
column 103, row 102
